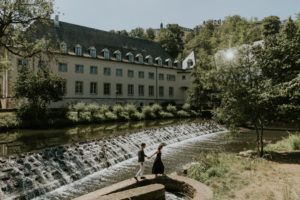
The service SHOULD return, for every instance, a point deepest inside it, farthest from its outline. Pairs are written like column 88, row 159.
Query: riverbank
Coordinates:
column 277, row 176
column 84, row 114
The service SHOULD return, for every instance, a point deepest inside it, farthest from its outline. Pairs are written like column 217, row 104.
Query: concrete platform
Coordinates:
column 172, row 183
column 149, row 192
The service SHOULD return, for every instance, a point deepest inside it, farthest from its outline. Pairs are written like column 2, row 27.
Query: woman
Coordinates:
column 158, row 166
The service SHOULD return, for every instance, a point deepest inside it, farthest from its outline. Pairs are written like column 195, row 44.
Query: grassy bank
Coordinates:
column 290, row 143
column 234, row 177
column 82, row 113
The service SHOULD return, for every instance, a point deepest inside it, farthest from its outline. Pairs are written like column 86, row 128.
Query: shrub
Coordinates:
column 148, row 112
column 172, row 109
column 288, row 144
column 93, row 108
column 165, row 115
column 156, row 108
column 110, row 116
column 79, row 107
column 120, row 112
column 103, row 109
column 183, row 114
column 131, row 110
column 194, row 113
column 186, row 107
column 137, row 116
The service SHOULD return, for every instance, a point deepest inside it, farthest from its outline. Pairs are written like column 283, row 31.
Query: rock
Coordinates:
column 7, row 169
column 187, row 167
column 246, row 153
column 4, row 177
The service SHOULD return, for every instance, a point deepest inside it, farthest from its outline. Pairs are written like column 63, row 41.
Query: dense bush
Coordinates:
column 172, row 109
column 288, row 144
column 120, row 112
column 148, row 112
column 156, row 110
column 183, row 114
column 166, row 115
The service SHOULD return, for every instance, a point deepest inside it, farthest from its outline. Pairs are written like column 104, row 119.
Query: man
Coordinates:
column 141, row 160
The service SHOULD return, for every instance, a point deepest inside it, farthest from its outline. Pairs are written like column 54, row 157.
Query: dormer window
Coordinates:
column 130, row 57
column 190, row 63
column 169, row 62
column 78, row 50
column 159, row 61
column 140, row 58
column 177, row 63
column 150, row 60
column 63, row 47
column 105, row 54
column 93, row 52
column 118, row 55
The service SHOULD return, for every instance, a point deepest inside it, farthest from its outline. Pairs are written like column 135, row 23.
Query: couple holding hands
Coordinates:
column 158, row 166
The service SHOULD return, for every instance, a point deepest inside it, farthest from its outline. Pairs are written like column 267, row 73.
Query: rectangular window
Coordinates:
column 119, row 89
column 106, row 71
column 106, row 89
column 22, row 62
column 93, row 70
column 130, row 73
column 141, row 60
column 78, row 51
column 150, row 62
column 62, row 67
column 183, row 77
column 151, row 75
column 79, row 68
column 161, row 76
column 141, row 74
column 106, row 55
column 159, row 62
column 170, row 77
column 119, row 72
column 93, row 88
column 42, row 64
column 78, row 87
column 171, row 91
column 93, row 53
column 118, row 57
column 141, row 90
column 130, row 90
column 64, row 88
column 151, row 91
column 161, row 91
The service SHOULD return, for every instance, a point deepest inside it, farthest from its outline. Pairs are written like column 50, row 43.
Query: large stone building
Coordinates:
column 106, row 68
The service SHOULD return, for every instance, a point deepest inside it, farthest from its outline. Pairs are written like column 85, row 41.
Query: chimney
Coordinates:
column 56, row 21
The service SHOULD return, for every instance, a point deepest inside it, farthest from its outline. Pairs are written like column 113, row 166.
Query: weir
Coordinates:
column 33, row 174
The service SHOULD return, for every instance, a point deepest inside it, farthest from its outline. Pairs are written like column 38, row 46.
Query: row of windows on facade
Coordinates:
column 118, row 56
column 119, row 89
column 119, row 72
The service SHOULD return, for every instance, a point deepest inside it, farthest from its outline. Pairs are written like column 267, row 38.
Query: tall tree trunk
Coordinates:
column 262, row 141
column 257, row 140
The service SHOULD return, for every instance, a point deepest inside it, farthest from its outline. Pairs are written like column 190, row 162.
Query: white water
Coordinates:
column 59, row 173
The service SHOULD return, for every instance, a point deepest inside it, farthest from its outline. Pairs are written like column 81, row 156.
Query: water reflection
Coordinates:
column 21, row 141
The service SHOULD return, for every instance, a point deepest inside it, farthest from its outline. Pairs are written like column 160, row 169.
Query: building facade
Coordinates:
column 106, row 68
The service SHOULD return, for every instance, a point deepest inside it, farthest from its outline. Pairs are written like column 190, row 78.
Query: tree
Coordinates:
column 170, row 38
column 150, row 34
column 261, row 87
column 137, row 32
column 38, row 89
column 16, row 19
column 271, row 25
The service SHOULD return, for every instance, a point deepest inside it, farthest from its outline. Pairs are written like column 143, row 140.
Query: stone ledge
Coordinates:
column 149, row 192
column 175, row 183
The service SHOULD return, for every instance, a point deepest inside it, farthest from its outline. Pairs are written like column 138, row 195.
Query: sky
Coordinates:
column 129, row 14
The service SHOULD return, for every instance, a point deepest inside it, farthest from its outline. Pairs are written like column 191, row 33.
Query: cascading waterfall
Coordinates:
column 36, row 173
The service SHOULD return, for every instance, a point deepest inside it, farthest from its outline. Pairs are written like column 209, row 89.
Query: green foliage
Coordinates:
column 38, row 89
column 110, row 116
column 8, row 120
column 93, row 108
column 137, row 33
column 182, row 114
column 166, row 115
column 131, row 111
column 120, row 112
column 148, row 112
column 171, row 109
column 186, row 107
column 17, row 22
column 170, row 38
column 288, row 144
column 271, row 25
column 156, row 110
column 150, row 34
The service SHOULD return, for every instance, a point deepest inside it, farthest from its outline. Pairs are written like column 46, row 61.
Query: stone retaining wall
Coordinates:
column 172, row 183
